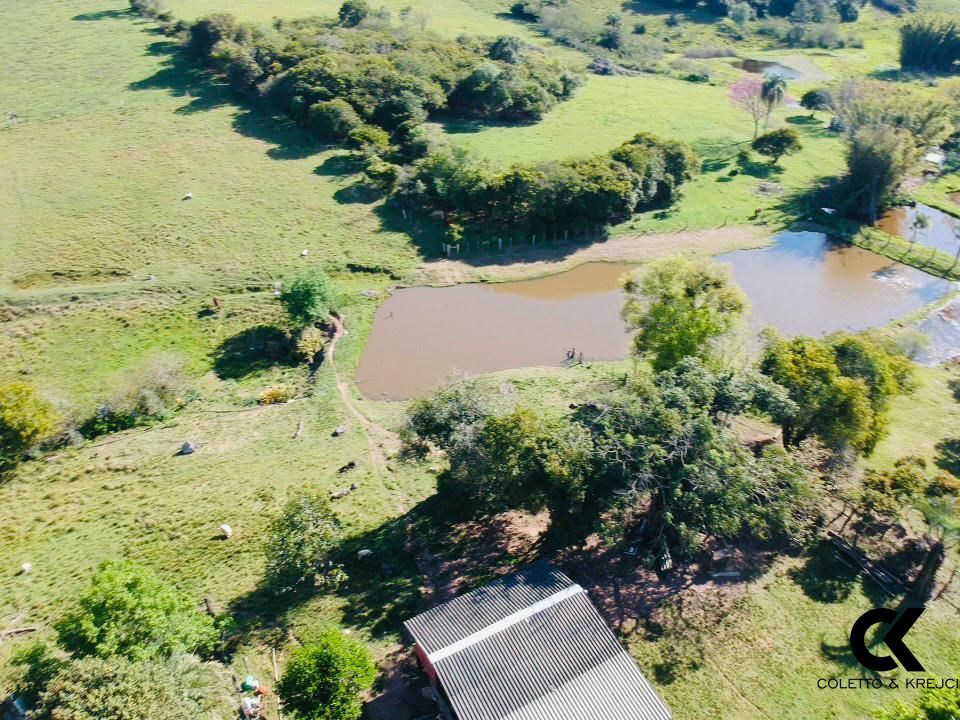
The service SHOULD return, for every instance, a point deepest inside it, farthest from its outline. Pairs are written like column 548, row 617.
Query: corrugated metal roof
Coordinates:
column 559, row 661
column 470, row 613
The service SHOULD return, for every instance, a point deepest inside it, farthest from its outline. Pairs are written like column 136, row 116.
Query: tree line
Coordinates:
column 574, row 194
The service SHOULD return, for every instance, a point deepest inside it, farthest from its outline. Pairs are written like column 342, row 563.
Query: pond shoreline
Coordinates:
column 529, row 263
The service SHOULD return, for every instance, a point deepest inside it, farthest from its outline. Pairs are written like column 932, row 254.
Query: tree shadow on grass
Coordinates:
column 253, row 350
column 181, row 78
column 761, row 170
column 289, row 140
column 948, row 455
column 804, row 120
column 262, row 616
column 954, row 386
column 381, row 592
column 358, row 193
column 824, row 577
column 103, row 15
column 340, row 164
column 162, row 47
column 383, row 589
column 841, row 653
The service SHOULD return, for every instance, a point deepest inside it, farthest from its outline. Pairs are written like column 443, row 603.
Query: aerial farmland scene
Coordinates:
column 480, row 360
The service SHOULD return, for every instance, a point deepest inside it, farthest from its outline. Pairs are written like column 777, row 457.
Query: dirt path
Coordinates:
column 529, row 262
column 378, row 438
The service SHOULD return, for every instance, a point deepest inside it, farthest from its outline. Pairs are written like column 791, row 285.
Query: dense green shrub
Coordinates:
column 333, row 120
column 302, row 539
column 40, row 665
column 309, row 296
column 777, row 143
column 396, row 90
column 149, row 393
column 930, row 43
column 583, row 194
column 117, row 688
column 130, row 611
column 323, row 680
column 25, row 419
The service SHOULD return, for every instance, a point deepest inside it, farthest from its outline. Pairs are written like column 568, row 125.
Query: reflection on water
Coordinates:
column 943, row 232
column 763, row 67
column 802, row 284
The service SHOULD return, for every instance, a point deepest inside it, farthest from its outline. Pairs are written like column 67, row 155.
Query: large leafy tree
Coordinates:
column 678, row 306
column 675, row 473
column 323, row 680
column 25, row 418
column 523, row 459
column 353, row 12
column 889, row 127
column 841, row 387
column 130, row 611
column 777, row 143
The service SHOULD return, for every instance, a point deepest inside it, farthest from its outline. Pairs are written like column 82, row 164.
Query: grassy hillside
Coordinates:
column 103, row 265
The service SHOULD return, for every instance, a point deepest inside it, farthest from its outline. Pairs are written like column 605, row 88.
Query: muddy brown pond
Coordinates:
column 942, row 232
column 802, row 284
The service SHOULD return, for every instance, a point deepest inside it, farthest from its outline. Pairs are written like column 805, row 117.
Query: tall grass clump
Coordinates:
column 930, row 43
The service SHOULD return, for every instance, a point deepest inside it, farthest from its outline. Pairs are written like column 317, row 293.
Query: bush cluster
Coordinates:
column 931, row 44
column 337, row 76
column 641, row 173
column 148, row 394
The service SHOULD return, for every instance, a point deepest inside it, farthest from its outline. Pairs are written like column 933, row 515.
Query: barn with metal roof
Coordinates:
column 530, row 646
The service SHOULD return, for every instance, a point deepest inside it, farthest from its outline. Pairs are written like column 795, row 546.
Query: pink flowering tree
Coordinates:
column 747, row 93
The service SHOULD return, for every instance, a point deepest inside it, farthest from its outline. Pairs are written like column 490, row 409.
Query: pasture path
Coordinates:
column 378, row 437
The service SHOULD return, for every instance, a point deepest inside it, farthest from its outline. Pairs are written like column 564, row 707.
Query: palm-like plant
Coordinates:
column 920, row 222
column 773, row 92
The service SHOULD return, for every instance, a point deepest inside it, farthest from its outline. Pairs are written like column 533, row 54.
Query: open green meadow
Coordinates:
column 105, row 265
column 609, row 110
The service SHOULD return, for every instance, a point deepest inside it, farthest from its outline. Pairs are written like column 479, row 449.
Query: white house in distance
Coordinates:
column 530, row 646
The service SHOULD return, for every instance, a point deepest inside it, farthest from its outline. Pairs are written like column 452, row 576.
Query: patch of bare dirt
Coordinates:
column 527, row 261
column 474, row 551
column 398, row 695
column 629, row 594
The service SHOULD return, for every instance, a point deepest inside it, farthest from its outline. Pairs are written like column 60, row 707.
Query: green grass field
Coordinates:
column 697, row 113
column 104, row 265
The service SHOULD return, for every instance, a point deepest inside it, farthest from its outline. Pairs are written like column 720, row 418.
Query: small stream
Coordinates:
column 803, row 284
